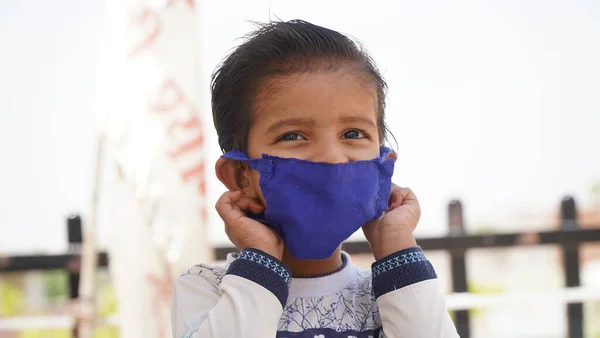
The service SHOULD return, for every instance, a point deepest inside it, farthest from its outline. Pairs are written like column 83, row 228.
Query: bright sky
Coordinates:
column 495, row 102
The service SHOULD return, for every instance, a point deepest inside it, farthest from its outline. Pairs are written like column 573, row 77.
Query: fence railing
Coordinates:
column 569, row 237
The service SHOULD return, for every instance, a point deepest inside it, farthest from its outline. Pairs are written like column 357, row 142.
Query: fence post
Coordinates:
column 458, row 265
column 75, row 238
column 568, row 221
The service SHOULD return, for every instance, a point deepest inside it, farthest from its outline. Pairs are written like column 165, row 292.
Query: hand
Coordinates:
column 393, row 231
column 244, row 232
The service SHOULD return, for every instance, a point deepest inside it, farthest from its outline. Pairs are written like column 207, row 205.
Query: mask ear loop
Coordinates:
column 385, row 169
column 263, row 165
column 384, row 153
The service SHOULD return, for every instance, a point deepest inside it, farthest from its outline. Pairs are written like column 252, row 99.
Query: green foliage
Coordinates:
column 106, row 300
column 592, row 319
column 479, row 289
column 482, row 229
column 12, row 300
column 58, row 333
column 101, row 332
column 106, row 332
column 12, row 303
column 596, row 187
column 57, row 284
column 482, row 289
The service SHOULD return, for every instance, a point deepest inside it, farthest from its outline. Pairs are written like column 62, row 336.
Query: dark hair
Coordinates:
column 281, row 48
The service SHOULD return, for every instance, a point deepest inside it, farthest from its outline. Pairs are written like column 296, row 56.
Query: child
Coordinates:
column 299, row 111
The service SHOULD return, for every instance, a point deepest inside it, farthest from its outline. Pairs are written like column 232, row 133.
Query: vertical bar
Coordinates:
column 568, row 221
column 75, row 238
column 458, row 265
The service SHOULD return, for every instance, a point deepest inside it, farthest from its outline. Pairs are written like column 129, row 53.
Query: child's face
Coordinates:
column 321, row 117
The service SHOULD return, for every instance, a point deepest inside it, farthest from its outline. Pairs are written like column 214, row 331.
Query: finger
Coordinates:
column 395, row 197
column 408, row 196
column 410, row 203
column 227, row 208
column 402, row 196
column 228, row 199
column 251, row 204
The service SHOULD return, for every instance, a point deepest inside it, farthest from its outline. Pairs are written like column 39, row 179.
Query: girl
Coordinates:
column 299, row 112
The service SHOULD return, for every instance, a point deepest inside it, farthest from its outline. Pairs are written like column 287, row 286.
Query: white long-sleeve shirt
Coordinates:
column 253, row 295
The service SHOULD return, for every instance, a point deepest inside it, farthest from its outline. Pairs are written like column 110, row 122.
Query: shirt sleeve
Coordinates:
column 409, row 297
column 248, row 302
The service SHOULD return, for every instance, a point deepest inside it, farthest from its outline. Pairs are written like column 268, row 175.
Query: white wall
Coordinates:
column 494, row 102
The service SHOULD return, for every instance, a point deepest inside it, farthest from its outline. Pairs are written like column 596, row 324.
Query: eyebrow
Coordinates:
column 290, row 122
column 358, row 119
column 309, row 122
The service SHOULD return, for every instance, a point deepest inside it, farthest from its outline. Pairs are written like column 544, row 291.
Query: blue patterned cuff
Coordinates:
column 401, row 269
column 265, row 270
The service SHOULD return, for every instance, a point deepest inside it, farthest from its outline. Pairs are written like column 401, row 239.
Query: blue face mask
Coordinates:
column 315, row 206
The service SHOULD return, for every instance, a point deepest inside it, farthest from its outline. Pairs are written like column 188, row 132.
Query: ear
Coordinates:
column 392, row 155
column 229, row 173
column 235, row 175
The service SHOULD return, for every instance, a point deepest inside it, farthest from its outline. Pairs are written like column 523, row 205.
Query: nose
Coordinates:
column 329, row 152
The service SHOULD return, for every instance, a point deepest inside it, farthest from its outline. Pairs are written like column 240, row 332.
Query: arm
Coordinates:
column 409, row 298
column 248, row 302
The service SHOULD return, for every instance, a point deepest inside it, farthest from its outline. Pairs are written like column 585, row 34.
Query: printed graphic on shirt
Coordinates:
column 330, row 333
column 213, row 274
column 350, row 312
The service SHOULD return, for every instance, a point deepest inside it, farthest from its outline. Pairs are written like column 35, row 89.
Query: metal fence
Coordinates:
column 569, row 237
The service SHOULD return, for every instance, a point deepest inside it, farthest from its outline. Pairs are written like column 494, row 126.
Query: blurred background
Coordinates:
column 493, row 103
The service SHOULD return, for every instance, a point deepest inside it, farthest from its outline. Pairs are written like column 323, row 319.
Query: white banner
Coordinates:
column 149, row 96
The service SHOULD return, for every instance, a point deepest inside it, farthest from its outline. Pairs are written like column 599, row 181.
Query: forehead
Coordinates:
column 322, row 96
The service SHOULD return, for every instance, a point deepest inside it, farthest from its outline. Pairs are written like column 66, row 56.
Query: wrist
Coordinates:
column 393, row 244
column 263, row 269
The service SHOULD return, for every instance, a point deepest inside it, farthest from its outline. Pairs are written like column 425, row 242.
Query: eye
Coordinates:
column 291, row 137
column 353, row 134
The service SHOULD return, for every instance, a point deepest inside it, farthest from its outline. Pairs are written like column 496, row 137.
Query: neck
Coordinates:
column 310, row 267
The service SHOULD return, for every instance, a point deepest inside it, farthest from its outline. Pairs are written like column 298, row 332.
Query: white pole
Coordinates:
column 89, row 255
